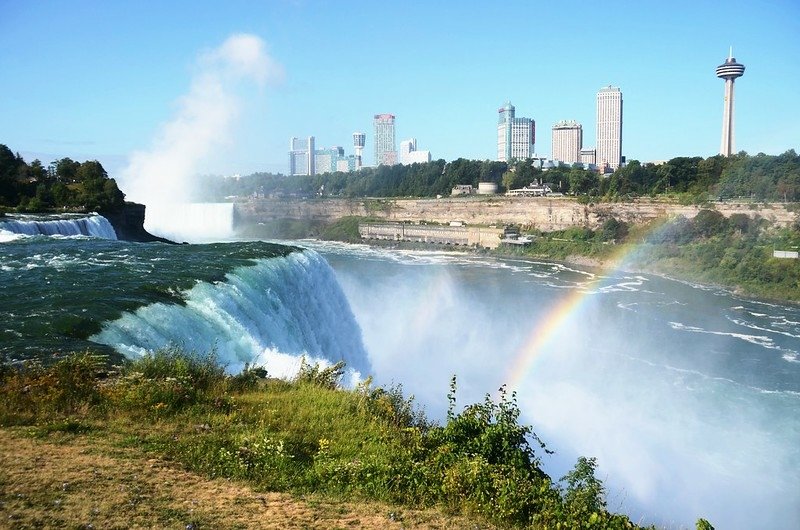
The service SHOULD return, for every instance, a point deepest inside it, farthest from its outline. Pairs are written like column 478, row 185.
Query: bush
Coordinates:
column 613, row 230
column 248, row 379
column 392, row 405
column 708, row 223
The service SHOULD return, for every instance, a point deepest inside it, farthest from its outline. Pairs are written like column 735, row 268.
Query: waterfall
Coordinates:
column 270, row 313
column 92, row 226
column 190, row 222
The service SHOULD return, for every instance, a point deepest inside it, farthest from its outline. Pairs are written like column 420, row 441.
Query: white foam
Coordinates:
column 291, row 305
column 91, row 226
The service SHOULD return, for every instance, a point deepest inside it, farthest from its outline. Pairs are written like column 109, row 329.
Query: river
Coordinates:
column 688, row 396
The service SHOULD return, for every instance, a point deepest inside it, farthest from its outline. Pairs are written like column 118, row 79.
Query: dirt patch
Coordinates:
column 67, row 481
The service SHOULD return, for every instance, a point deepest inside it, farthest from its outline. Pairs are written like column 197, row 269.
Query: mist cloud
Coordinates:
column 203, row 122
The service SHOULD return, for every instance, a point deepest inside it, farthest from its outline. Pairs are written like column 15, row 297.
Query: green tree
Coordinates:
column 612, row 229
column 90, row 170
column 62, row 195
column 702, row 524
column 581, row 181
column 66, row 170
column 708, row 223
column 508, row 180
column 585, row 493
column 8, row 173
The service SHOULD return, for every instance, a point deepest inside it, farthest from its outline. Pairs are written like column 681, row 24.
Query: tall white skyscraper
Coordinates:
column 385, row 150
column 609, row 127
column 730, row 70
column 301, row 156
column 567, row 142
column 515, row 136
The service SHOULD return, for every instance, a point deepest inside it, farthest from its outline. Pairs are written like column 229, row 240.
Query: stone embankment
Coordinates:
column 542, row 213
column 442, row 235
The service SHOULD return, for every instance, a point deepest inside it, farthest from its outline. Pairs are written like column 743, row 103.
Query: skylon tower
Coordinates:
column 730, row 70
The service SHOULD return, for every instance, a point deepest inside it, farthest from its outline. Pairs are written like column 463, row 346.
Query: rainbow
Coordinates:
column 550, row 326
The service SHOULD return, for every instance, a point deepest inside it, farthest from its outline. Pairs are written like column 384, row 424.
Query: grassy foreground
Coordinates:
column 172, row 441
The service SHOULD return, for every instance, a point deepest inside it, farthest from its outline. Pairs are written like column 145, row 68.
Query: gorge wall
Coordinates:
column 543, row 213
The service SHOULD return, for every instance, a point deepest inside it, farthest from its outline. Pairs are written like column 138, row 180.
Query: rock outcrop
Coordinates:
column 128, row 223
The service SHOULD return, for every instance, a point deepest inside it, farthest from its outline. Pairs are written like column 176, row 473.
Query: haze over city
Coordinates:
column 98, row 81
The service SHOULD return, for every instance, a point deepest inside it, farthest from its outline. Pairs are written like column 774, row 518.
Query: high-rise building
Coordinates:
column 304, row 159
column 515, row 136
column 567, row 142
column 334, row 159
column 730, row 70
column 385, row 150
column 301, row 156
column 359, row 139
column 410, row 155
column 587, row 157
column 609, row 128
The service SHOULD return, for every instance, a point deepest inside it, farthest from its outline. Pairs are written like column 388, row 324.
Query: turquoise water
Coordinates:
column 64, row 294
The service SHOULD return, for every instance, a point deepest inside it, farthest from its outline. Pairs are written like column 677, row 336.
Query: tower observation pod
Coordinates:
column 730, row 70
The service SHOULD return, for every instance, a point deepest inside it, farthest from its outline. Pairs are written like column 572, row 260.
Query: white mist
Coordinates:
column 163, row 177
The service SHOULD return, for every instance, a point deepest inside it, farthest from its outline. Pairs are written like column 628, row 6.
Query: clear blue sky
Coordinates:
column 90, row 79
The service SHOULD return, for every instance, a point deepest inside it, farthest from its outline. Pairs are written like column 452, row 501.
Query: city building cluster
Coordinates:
column 516, row 137
column 306, row 159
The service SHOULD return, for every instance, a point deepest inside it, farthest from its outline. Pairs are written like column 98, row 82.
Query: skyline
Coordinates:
column 84, row 82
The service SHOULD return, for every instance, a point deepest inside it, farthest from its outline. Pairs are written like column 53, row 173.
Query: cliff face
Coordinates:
column 128, row 223
column 543, row 213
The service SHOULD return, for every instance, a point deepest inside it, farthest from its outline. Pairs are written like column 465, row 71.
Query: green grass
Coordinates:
column 311, row 436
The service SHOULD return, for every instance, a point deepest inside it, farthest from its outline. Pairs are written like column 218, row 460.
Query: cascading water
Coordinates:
column 190, row 222
column 92, row 226
column 270, row 313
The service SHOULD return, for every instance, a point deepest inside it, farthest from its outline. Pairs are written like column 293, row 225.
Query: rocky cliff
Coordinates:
column 128, row 223
column 543, row 213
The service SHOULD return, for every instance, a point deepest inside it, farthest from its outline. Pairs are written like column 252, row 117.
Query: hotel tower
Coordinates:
column 385, row 146
column 609, row 127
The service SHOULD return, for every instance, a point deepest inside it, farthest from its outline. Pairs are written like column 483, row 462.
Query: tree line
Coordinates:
column 64, row 185
column 761, row 177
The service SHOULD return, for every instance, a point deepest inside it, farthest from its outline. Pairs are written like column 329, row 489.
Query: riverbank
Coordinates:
column 734, row 254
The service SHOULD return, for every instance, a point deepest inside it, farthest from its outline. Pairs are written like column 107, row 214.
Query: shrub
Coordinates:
column 708, row 223
column 315, row 374
column 248, row 379
column 169, row 380
column 612, row 229
column 33, row 391
column 392, row 405
column 485, row 461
